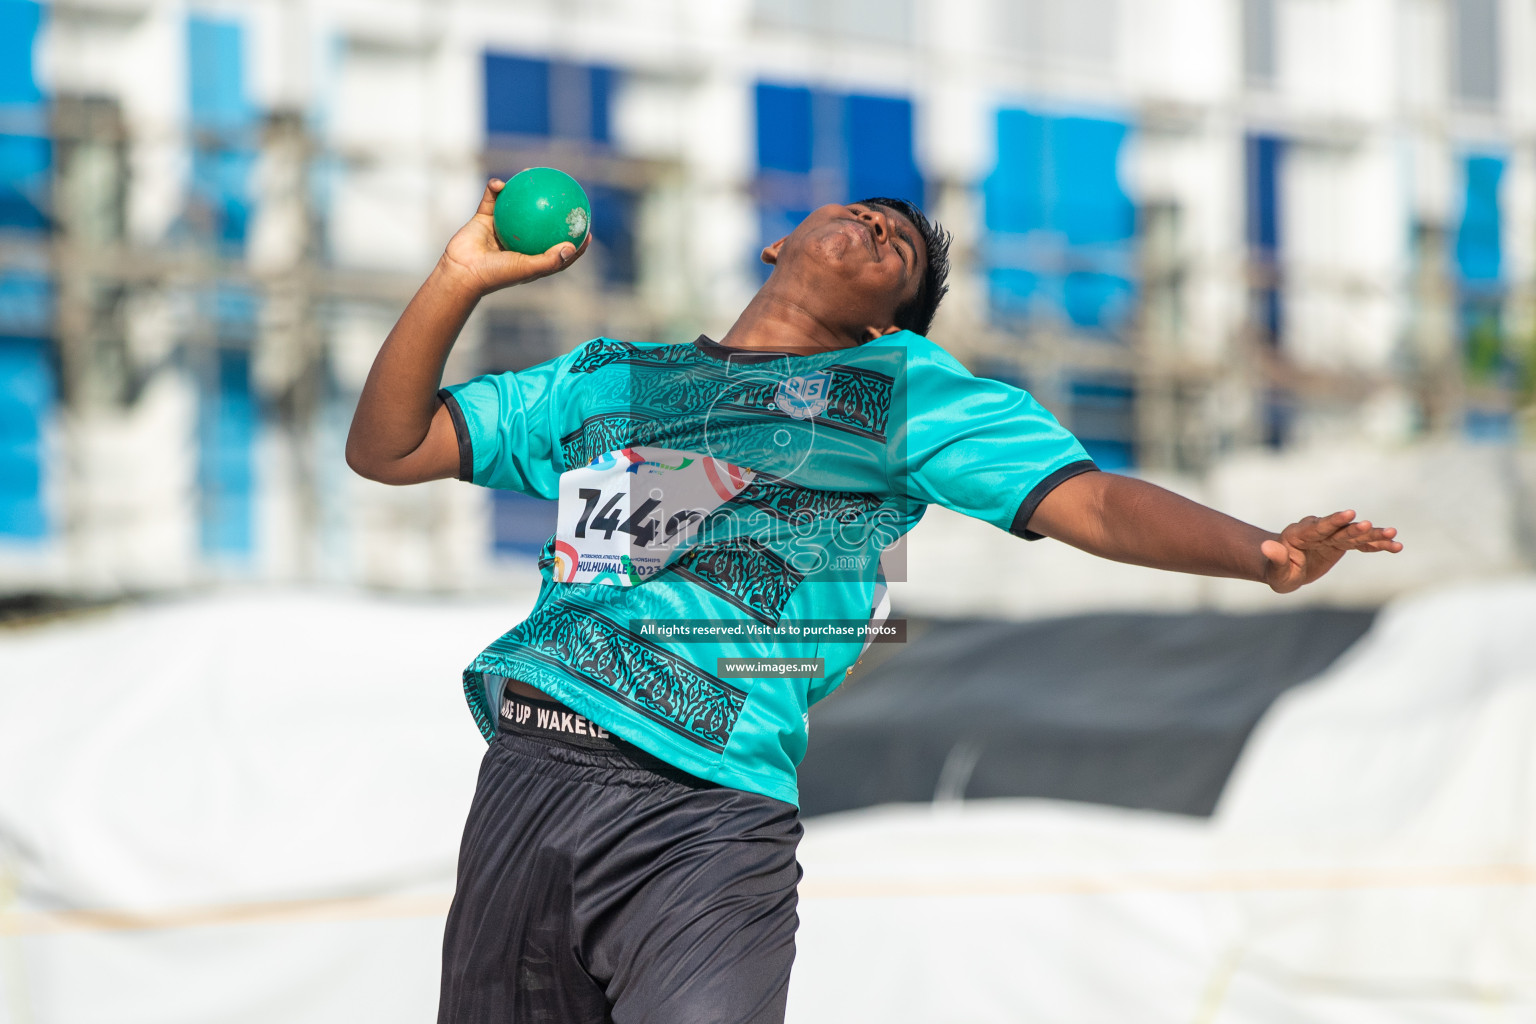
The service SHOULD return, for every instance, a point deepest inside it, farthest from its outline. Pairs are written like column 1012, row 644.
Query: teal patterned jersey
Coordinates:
column 836, row 456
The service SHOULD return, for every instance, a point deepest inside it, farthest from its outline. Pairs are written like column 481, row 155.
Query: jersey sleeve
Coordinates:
column 507, row 429
column 978, row 446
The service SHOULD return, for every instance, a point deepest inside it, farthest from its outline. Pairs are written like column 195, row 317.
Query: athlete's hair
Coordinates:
column 916, row 314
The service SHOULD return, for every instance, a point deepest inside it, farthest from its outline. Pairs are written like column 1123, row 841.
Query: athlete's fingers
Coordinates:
column 1363, row 533
column 1303, row 532
column 1379, row 540
column 1329, row 527
column 1277, row 553
column 565, row 254
column 1348, row 536
column 1312, row 532
column 518, row 267
column 488, row 198
column 1296, row 533
column 1377, row 533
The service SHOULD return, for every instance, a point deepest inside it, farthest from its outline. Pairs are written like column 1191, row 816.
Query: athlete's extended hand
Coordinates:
column 1309, row 548
column 476, row 258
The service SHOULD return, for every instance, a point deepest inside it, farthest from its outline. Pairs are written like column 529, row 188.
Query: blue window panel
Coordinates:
column 1110, row 456
column 1270, row 311
column 816, row 147
column 1479, row 264
column 1055, row 198
column 1278, row 419
column 878, row 141
column 1112, row 390
column 1262, row 156
column 221, row 181
column 20, row 21
column 614, row 211
column 520, row 523
column 235, row 310
column 516, row 95
column 219, row 200
column 1060, row 174
column 1479, row 250
column 1488, row 426
column 216, row 75
column 1103, row 418
column 1019, row 292
column 227, row 424
column 600, row 90
column 26, row 303
column 1090, row 205
column 1016, row 192
column 529, row 96
column 1097, row 300
column 26, row 166
column 1092, row 301
column 27, row 397
column 785, row 132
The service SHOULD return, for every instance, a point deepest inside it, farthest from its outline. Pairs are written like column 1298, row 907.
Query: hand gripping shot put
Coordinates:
column 630, row 851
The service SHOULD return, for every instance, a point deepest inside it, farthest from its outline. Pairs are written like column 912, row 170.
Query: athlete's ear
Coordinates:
column 871, row 333
column 771, row 252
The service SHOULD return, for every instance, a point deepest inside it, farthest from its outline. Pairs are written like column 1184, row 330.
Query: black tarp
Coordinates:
column 1133, row 710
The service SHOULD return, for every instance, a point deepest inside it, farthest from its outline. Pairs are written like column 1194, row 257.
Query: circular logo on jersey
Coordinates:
column 742, row 426
column 804, row 397
column 565, row 562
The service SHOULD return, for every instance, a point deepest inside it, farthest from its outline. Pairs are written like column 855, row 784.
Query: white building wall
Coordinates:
column 393, row 90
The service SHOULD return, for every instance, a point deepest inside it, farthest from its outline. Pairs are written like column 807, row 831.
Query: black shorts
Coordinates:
column 597, row 884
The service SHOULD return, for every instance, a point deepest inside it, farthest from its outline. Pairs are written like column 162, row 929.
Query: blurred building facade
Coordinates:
column 1191, row 227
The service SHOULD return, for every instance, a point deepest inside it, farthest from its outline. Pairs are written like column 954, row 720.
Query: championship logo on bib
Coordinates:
column 624, row 515
column 804, row 397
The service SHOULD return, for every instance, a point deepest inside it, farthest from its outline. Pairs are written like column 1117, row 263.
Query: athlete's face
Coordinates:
column 856, row 264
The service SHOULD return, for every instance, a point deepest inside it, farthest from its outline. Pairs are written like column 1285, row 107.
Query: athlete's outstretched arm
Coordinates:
column 401, row 433
column 1130, row 520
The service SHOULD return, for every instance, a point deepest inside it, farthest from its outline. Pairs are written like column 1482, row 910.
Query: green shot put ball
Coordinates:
column 540, row 208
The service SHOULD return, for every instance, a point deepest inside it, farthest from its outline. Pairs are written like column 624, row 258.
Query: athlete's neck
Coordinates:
column 777, row 323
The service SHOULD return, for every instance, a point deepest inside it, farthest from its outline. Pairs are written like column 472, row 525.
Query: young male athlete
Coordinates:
column 630, row 852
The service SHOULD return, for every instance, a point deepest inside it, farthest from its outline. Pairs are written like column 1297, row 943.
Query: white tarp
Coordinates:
column 246, row 808
column 1373, row 859
column 239, row 809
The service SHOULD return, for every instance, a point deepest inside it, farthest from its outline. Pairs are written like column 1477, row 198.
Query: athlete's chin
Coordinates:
column 837, row 247
column 843, row 264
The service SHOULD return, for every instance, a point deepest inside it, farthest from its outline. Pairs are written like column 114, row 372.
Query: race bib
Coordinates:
column 624, row 515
